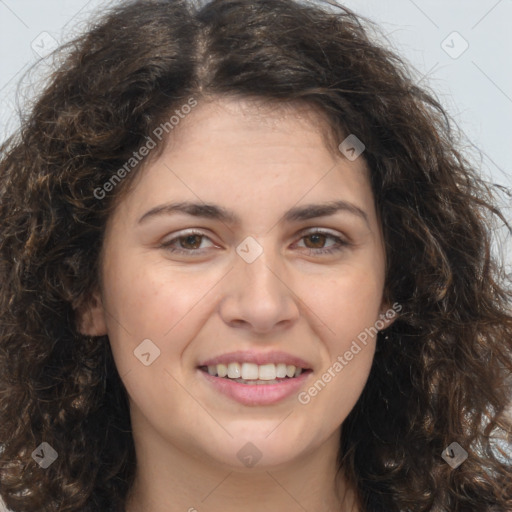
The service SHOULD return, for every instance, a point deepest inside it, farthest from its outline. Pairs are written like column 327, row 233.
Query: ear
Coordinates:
column 90, row 317
column 389, row 313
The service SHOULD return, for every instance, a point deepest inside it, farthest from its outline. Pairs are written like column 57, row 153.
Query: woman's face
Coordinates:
column 254, row 286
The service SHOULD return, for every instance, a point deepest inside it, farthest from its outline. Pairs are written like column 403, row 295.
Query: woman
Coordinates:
column 244, row 267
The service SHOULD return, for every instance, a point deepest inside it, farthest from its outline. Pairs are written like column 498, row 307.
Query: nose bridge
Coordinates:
column 260, row 274
column 258, row 294
column 258, row 277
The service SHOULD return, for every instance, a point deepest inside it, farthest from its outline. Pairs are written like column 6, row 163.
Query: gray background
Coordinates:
column 475, row 86
column 459, row 49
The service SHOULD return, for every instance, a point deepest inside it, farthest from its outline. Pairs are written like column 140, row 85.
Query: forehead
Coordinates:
column 236, row 151
column 220, row 117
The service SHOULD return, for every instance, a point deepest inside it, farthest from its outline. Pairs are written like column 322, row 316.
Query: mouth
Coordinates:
column 254, row 374
column 254, row 378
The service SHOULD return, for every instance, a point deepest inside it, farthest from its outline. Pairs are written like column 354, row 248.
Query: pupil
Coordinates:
column 317, row 237
column 191, row 237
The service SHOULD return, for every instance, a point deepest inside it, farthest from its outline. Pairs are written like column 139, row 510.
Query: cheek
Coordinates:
column 154, row 302
column 160, row 304
column 348, row 308
column 347, row 305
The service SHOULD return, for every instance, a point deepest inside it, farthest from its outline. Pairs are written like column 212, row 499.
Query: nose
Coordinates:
column 259, row 297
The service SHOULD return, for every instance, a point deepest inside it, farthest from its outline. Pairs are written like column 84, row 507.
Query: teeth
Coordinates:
column 281, row 371
column 256, row 382
column 267, row 372
column 249, row 371
column 222, row 370
column 255, row 374
column 234, row 371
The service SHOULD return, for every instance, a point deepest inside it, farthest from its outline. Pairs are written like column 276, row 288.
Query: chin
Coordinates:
column 259, row 449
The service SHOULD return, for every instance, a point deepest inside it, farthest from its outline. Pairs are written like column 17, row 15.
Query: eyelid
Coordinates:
column 186, row 232
column 325, row 231
column 304, row 232
column 342, row 241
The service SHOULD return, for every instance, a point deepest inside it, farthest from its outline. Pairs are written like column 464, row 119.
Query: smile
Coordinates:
column 255, row 392
column 251, row 373
column 255, row 378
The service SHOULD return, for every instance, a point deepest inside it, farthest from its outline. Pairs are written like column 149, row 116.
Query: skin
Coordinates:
column 258, row 162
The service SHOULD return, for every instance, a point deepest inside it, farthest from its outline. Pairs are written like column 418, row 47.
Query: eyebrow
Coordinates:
column 215, row 212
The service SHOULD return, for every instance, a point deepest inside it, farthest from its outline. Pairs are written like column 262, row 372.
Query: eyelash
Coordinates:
column 342, row 244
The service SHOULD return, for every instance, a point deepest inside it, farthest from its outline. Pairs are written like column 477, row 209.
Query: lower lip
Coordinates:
column 256, row 394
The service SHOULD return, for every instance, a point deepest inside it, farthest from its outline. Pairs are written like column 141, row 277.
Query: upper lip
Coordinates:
column 259, row 358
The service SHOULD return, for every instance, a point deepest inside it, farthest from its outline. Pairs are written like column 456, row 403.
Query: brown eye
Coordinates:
column 314, row 243
column 189, row 243
column 317, row 239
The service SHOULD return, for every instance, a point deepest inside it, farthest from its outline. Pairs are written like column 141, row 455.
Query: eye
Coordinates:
column 190, row 242
column 318, row 237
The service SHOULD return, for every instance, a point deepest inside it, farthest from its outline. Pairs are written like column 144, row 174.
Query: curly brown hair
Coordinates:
column 441, row 372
